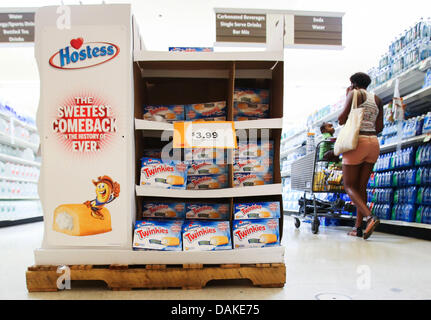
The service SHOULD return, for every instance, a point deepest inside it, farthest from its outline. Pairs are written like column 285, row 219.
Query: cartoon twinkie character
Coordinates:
column 90, row 217
column 106, row 191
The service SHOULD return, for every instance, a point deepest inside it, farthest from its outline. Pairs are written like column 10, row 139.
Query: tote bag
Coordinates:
column 348, row 137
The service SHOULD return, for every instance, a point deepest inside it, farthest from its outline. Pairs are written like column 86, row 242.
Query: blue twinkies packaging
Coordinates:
column 257, row 210
column 218, row 211
column 163, row 174
column 206, row 111
column 155, row 234
column 256, row 233
column 259, row 165
column 164, row 113
column 206, row 235
column 151, row 209
column 257, row 149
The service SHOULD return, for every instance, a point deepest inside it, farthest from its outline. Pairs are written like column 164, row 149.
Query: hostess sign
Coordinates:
column 82, row 54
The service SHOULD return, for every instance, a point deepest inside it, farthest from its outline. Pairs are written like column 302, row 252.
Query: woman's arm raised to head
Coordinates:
column 342, row 118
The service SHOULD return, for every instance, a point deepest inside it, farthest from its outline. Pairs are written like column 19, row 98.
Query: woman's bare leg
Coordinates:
column 351, row 177
column 364, row 177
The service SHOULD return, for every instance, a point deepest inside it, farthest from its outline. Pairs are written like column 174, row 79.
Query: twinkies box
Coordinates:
column 256, row 233
column 206, row 235
column 155, row 234
column 251, row 95
column 250, row 104
column 206, row 167
column 204, row 111
column 259, row 165
column 252, row 179
column 203, row 182
column 163, row 174
column 243, row 110
column 257, row 210
column 164, row 113
column 207, row 211
column 199, row 154
column 164, row 209
column 259, row 149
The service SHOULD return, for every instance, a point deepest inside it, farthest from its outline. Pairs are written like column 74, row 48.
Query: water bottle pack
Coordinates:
column 404, row 178
column 423, row 196
column 383, row 196
column 383, row 211
column 14, row 210
column 395, row 160
column 15, row 189
column 405, row 195
column 423, row 155
column 423, row 214
column 404, row 212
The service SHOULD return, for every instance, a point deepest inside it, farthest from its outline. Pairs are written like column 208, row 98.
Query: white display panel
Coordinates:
column 85, row 120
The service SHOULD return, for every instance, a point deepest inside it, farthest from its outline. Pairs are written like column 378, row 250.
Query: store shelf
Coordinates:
column 5, row 157
column 404, row 142
column 328, row 118
column 19, row 122
column 409, row 81
column 418, row 100
column 293, row 136
column 18, row 179
column 9, row 223
column 16, row 142
column 265, row 190
column 289, row 151
column 276, row 123
column 406, row 224
column 143, row 55
column 20, row 198
column 129, row 257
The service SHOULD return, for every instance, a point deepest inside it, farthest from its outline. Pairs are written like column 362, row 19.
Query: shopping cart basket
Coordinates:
column 313, row 174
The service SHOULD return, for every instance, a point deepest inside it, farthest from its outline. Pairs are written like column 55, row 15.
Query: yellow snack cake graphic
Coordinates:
column 268, row 238
column 219, row 240
column 77, row 220
column 175, row 180
column 170, row 241
column 265, row 214
column 90, row 217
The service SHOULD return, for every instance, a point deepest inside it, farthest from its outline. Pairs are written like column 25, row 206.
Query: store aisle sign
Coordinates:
column 240, row 27
column 318, row 30
column 81, row 55
column 204, row 134
column 16, row 27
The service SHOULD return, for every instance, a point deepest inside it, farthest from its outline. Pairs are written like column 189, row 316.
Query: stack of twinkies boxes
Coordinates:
column 209, row 225
column 209, row 111
column 201, row 226
column 250, row 104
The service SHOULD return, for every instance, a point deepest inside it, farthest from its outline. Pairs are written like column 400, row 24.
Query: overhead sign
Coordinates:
column 318, row 30
column 16, row 27
column 240, row 27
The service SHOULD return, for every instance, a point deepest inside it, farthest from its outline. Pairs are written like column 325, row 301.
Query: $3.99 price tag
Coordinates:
column 204, row 134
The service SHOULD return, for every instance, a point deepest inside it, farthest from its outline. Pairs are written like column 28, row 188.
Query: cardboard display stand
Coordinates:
column 95, row 77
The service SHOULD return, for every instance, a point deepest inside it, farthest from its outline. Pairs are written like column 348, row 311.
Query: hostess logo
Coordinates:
column 80, row 54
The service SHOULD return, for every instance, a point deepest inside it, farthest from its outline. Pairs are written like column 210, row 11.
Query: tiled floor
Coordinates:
column 327, row 265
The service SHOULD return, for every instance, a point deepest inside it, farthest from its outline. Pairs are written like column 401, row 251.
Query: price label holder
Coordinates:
column 205, row 134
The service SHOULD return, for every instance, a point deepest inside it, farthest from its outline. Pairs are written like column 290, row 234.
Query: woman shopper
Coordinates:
column 358, row 164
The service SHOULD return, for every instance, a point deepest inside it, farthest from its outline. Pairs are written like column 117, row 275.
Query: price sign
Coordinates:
column 205, row 134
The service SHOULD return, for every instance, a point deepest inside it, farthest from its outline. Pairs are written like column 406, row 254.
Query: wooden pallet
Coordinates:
column 127, row 277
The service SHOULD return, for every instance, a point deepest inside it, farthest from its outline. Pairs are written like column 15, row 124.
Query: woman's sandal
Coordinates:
column 356, row 232
column 372, row 223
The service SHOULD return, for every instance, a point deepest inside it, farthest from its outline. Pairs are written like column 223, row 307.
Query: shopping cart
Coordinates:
column 315, row 174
